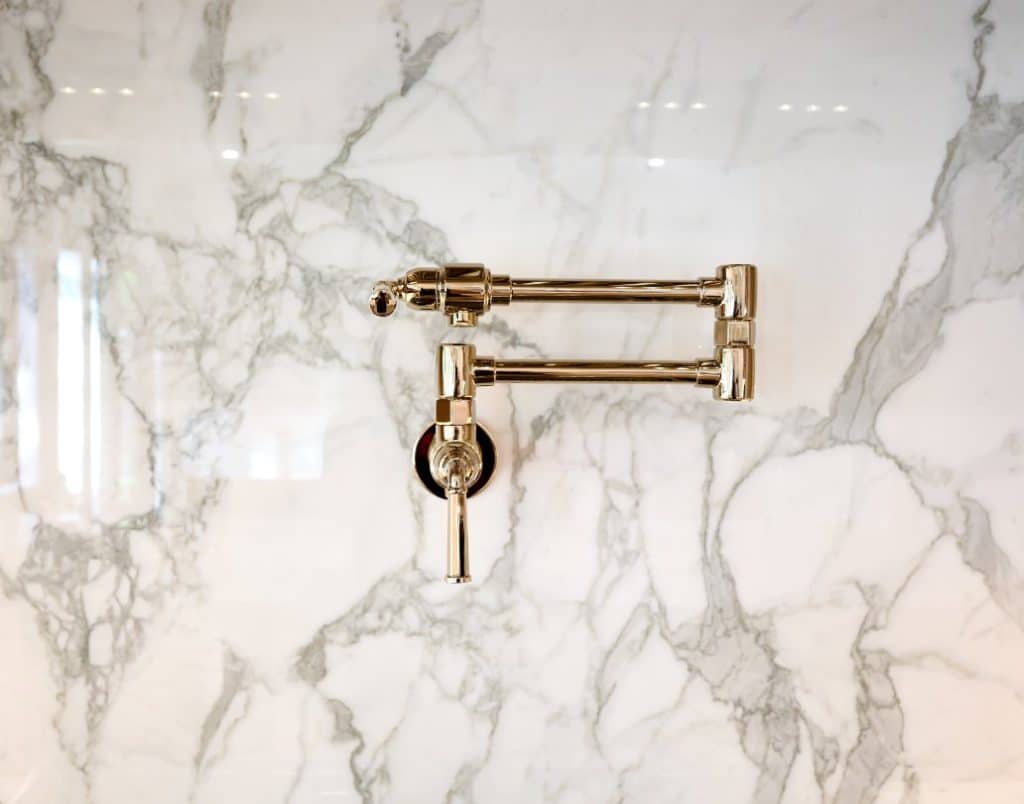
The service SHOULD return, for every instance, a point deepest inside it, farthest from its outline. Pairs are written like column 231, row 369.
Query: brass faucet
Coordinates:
column 465, row 291
column 455, row 457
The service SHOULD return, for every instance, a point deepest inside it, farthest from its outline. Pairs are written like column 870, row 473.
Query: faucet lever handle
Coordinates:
column 458, row 535
column 448, row 470
column 457, row 465
column 383, row 299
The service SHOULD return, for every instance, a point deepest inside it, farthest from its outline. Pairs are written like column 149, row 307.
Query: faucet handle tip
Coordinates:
column 383, row 299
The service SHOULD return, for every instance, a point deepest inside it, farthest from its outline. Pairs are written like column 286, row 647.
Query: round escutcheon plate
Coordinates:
column 421, row 458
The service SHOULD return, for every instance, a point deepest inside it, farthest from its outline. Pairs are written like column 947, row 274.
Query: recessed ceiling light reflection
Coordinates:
column 230, row 154
column 68, row 90
column 671, row 105
column 271, row 95
column 812, row 107
column 655, row 162
column 126, row 91
column 698, row 105
column 644, row 105
column 784, row 107
column 840, row 108
column 244, row 95
column 98, row 91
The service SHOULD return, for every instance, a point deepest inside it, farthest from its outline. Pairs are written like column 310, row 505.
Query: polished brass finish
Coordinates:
column 730, row 374
column 707, row 292
column 383, row 299
column 736, row 373
column 464, row 292
column 456, row 461
column 421, row 461
column 455, row 458
column 489, row 371
column 739, row 291
column 734, row 333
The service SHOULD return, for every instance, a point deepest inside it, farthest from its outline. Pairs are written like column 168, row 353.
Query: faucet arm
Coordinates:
column 730, row 374
column 464, row 292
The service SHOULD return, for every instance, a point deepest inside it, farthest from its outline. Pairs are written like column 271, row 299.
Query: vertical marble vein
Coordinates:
column 208, row 63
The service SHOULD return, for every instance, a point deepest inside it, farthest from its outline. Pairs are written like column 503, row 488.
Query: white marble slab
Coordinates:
column 220, row 582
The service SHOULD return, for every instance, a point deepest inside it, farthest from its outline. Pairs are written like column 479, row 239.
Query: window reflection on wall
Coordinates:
column 27, row 379
column 98, row 440
column 60, row 413
column 70, row 372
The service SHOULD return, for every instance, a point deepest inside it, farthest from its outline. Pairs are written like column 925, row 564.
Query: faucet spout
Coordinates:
column 458, row 537
column 456, row 460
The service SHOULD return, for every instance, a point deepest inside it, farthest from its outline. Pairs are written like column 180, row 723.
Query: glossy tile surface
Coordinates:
column 220, row 581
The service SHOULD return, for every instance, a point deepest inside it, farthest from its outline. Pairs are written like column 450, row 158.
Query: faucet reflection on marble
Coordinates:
column 455, row 457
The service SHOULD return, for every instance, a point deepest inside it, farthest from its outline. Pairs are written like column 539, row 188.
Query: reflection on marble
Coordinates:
column 219, row 579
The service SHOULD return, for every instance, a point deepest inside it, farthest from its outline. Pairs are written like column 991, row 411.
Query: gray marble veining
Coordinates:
column 219, row 579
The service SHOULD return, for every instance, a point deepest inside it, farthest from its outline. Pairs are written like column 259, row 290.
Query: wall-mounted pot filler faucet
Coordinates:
column 455, row 457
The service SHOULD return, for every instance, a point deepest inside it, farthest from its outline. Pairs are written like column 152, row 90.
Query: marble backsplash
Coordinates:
column 219, row 580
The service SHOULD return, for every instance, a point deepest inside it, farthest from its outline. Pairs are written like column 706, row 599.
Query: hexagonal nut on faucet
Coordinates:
column 453, row 411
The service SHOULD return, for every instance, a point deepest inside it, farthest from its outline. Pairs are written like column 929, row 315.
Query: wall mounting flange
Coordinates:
column 421, row 461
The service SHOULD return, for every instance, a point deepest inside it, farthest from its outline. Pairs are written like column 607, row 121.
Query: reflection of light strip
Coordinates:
column 263, row 460
column 95, row 397
column 70, row 371
column 28, row 372
column 158, row 419
column 306, row 455
column 26, row 785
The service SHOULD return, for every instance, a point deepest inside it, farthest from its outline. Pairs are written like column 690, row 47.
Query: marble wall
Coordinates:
column 220, row 581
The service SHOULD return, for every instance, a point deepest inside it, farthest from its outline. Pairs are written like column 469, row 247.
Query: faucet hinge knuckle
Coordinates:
column 737, row 373
column 485, row 371
column 739, row 292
